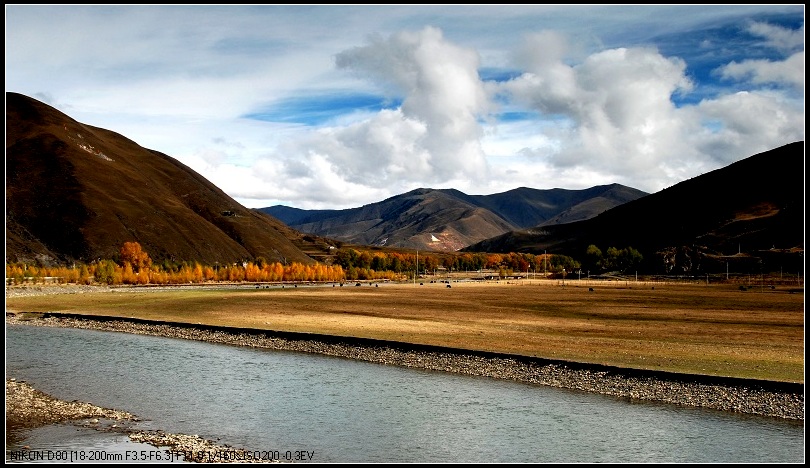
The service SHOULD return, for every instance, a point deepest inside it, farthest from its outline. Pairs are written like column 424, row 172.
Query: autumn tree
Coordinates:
column 133, row 254
column 104, row 272
column 84, row 275
column 128, row 275
column 430, row 263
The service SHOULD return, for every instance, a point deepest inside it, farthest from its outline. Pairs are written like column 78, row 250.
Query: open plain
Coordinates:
column 714, row 330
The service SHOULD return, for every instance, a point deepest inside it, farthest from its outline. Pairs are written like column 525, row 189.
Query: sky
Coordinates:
column 338, row 106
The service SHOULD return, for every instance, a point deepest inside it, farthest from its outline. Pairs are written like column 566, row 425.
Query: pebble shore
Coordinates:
column 28, row 408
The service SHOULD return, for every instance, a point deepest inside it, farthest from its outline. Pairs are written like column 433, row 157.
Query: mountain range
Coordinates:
column 76, row 193
column 448, row 220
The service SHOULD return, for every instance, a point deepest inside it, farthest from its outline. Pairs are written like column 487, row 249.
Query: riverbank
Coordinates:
column 772, row 399
column 28, row 408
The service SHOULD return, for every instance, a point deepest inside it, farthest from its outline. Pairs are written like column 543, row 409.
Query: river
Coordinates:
column 337, row 410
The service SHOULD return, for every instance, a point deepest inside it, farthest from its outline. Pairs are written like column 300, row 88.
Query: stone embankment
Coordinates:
column 750, row 399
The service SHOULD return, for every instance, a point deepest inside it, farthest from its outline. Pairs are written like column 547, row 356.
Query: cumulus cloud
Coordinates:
column 744, row 123
column 375, row 151
column 435, row 134
column 313, row 181
column 616, row 106
column 613, row 117
column 433, row 138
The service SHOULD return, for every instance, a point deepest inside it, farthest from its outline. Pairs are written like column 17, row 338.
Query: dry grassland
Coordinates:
column 695, row 329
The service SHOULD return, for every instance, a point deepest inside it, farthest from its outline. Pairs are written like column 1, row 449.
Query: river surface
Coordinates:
column 334, row 410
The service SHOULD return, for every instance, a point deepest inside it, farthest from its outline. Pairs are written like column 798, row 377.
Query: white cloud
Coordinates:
column 744, row 123
column 779, row 38
column 616, row 106
column 374, row 152
column 433, row 137
column 789, row 71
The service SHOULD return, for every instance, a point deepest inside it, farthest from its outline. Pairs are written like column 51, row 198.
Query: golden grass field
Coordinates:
column 695, row 329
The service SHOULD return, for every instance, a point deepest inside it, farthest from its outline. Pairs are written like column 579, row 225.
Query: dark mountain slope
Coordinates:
column 75, row 192
column 753, row 206
column 526, row 207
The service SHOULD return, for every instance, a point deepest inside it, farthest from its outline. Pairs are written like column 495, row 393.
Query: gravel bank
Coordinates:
column 750, row 399
column 27, row 408
column 47, row 289
column 30, row 290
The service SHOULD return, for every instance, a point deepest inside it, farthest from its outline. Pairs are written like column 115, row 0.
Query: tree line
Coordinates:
column 432, row 262
column 133, row 266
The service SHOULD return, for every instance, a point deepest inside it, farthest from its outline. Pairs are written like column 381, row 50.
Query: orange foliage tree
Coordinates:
column 133, row 254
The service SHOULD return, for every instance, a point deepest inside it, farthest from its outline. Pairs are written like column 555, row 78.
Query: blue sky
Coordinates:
column 328, row 107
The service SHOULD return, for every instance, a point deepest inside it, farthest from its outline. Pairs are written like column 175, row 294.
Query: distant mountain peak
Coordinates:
column 448, row 219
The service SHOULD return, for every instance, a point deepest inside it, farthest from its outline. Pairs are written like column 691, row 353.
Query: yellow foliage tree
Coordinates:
column 128, row 276
column 133, row 254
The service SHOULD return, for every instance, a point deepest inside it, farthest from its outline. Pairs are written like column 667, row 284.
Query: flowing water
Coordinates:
column 316, row 408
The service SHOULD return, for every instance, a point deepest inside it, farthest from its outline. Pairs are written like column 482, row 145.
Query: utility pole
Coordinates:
column 416, row 270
